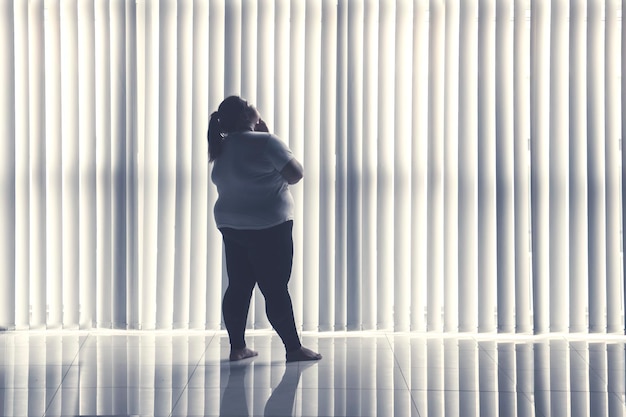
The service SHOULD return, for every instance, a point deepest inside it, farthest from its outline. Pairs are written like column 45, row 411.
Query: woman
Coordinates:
column 252, row 170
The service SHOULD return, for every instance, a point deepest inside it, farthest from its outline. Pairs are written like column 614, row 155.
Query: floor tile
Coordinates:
column 114, row 401
column 25, row 401
column 362, row 373
column 353, row 402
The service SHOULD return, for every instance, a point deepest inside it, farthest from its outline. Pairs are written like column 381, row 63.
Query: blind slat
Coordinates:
column 311, row 149
column 578, row 255
column 8, row 170
column 596, row 175
column 340, row 168
column 54, row 163
column 505, row 165
column 327, row 167
column 70, row 161
column 87, row 155
column 451, row 169
column 21, row 52
column 184, row 79
column 435, row 165
column 558, row 162
column 36, row 112
column 132, row 167
column 615, row 287
column 419, row 155
column 487, row 215
column 354, row 150
column 521, row 179
column 384, row 170
column 119, row 173
column 468, row 167
column 402, row 166
column 540, row 152
column 149, row 156
column 199, row 169
column 166, row 160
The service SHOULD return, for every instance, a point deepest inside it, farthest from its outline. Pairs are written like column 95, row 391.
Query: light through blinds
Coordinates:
column 463, row 160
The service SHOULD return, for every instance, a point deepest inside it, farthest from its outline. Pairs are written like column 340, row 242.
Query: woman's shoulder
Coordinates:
column 259, row 140
column 274, row 140
column 263, row 137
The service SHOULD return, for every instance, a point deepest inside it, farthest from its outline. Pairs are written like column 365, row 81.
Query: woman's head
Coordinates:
column 234, row 114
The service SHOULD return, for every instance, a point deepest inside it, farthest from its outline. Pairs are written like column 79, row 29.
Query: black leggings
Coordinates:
column 264, row 257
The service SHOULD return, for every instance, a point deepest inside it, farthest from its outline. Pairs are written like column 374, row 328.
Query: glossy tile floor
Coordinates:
column 362, row 374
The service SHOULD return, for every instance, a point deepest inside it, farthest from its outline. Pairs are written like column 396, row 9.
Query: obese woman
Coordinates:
column 252, row 170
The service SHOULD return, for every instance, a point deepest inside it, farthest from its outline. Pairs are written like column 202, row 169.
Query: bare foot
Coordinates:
column 303, row 354
column 239, row 354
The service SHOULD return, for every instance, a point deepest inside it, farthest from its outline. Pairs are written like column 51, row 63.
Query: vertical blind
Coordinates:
column 464, row 166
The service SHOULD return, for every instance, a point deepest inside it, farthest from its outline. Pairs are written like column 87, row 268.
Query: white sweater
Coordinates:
column 252, row 192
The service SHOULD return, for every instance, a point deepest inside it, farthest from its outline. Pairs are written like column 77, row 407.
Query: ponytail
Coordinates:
column 214, row 137
column 230, row 115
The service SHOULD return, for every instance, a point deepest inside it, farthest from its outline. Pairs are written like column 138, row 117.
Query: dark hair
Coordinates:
column 230, row 116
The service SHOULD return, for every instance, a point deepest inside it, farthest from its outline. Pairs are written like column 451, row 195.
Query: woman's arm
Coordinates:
column 293, row 171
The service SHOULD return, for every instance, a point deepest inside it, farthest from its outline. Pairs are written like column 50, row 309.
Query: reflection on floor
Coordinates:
column 362, row 374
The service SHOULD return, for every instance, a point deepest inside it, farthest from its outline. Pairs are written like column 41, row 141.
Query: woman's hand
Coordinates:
column 261, row 126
